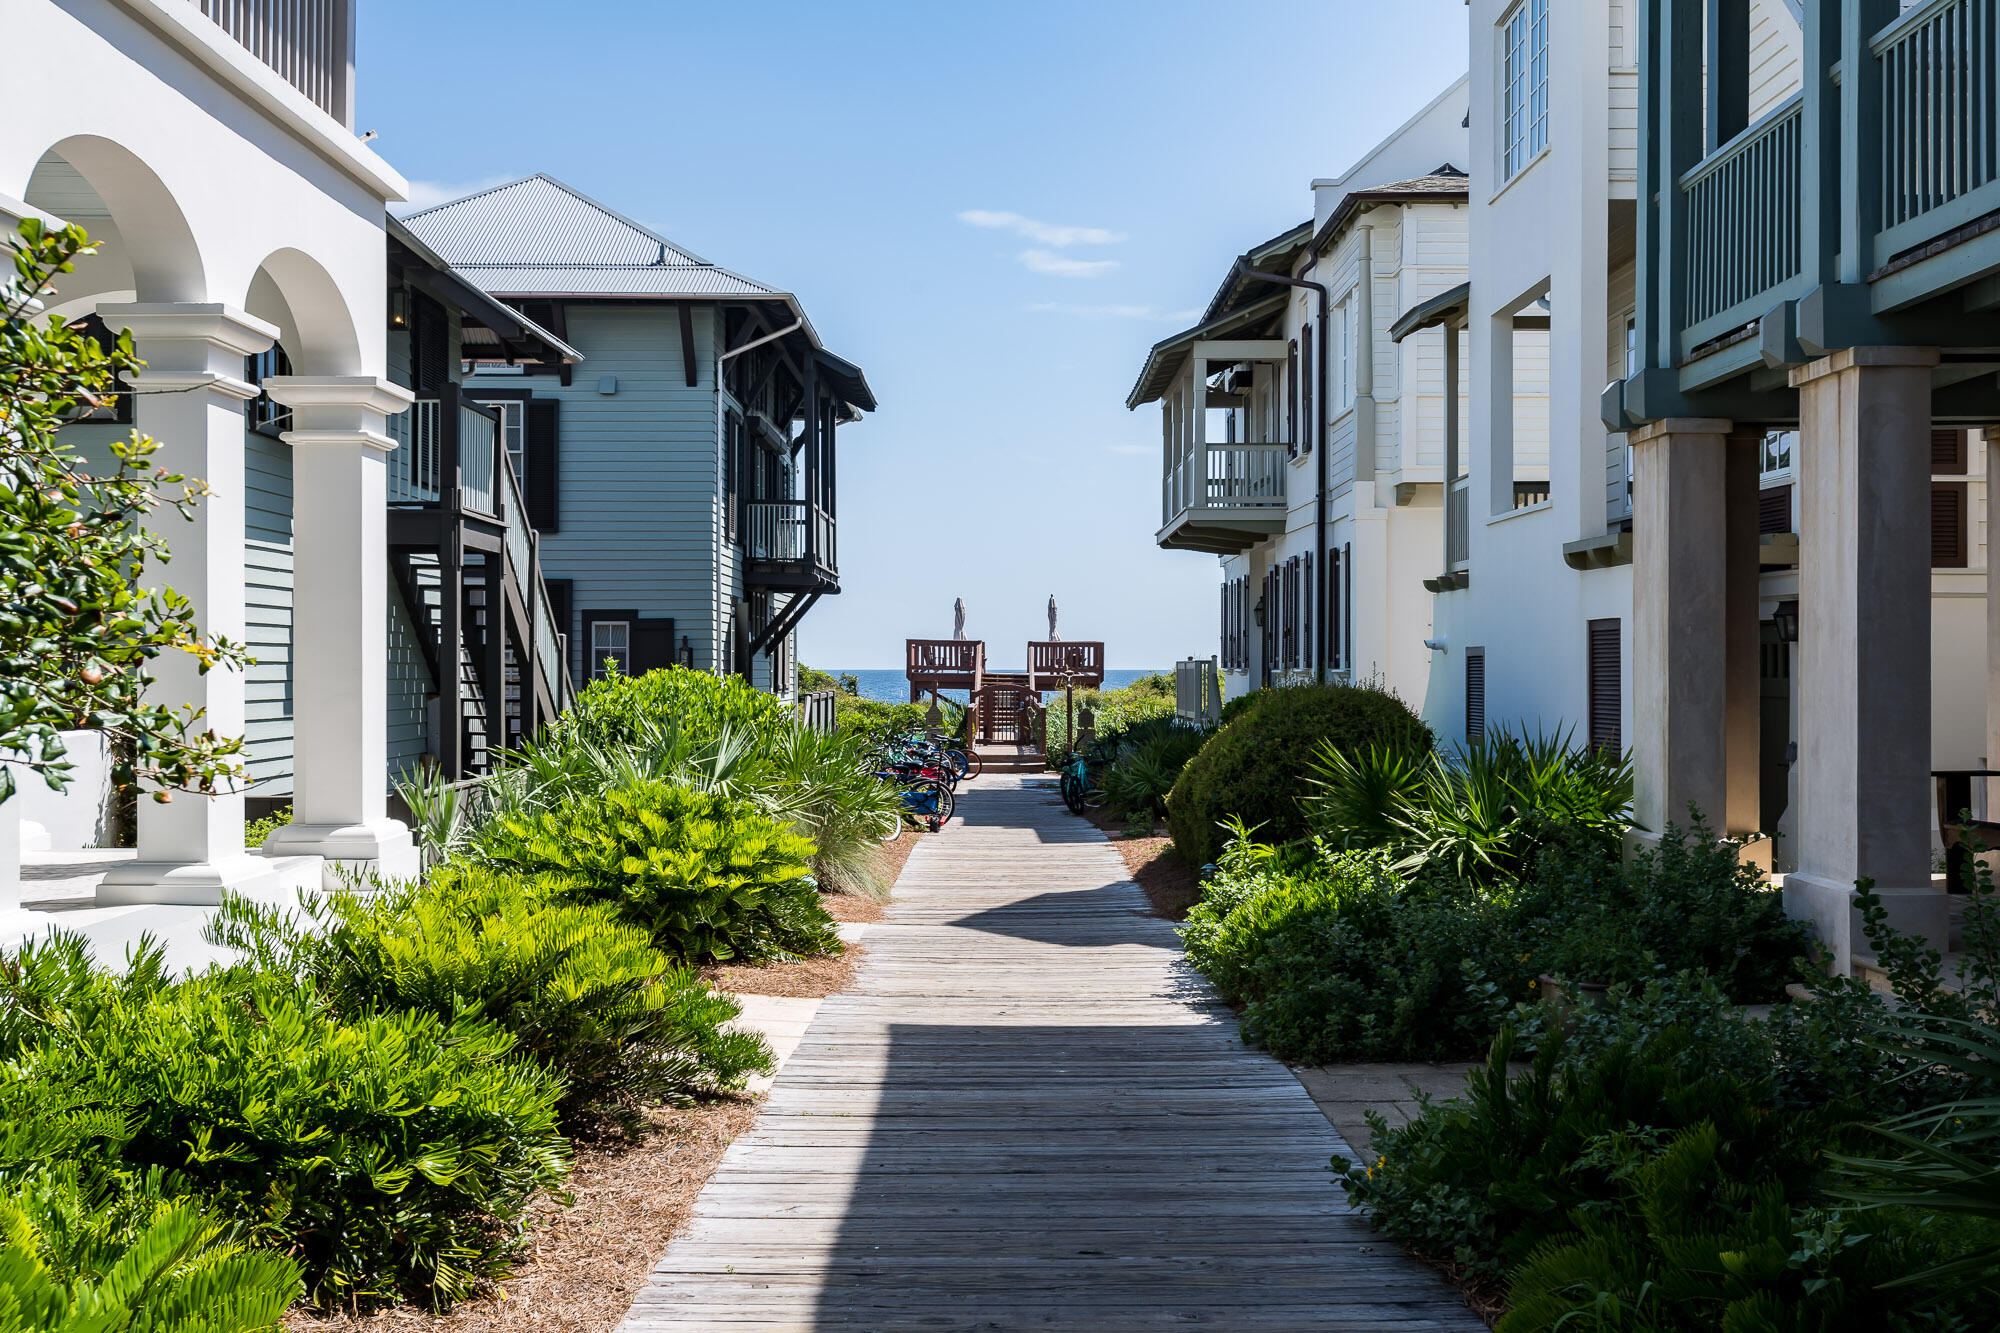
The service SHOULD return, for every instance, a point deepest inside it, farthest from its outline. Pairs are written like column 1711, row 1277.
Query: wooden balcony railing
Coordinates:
column 791, row 532
column 1743, row 209
column 307, row 43
column 1940, row 78
column 944, row 657
column 1528, row 494
column 1226, row 476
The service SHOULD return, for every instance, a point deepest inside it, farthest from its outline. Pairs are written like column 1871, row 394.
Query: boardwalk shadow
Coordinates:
column 1079, row 918
column 1103, row 1177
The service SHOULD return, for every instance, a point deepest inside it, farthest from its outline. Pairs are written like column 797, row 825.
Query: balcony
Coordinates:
column 307, row 43
column 1865, row 209
column 1223, row 498
column 791, row 545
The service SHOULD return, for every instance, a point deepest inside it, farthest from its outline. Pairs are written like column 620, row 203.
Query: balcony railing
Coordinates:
column 1055, row 658
column 479, row 466
column 1940, row 78
column 307, row 43
column 1743, row 211
column 791, row 532
column 944, row 657
column 427, row 455
column 1226, row 476
column 1528, row 494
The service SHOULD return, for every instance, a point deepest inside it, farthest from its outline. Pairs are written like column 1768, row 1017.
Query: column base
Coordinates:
column 184, row 884
column 1828, row 907
column 381, row 849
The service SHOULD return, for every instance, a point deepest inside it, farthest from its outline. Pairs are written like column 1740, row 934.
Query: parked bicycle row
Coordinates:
column 928, row 769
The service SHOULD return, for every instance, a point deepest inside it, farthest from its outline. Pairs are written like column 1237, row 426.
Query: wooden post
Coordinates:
column 451, row 638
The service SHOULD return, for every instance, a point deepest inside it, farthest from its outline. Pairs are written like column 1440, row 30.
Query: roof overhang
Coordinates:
column 1166, row 356
column 508, row 324
column 1447, row 307
column 1354, row 204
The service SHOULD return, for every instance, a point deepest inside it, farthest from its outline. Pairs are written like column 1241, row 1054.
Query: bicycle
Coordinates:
column 1080, row 791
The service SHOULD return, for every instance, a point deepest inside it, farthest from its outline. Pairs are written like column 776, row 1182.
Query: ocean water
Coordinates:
column 892, row 686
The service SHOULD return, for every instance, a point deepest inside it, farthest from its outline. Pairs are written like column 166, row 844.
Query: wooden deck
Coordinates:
column 1027, row 1115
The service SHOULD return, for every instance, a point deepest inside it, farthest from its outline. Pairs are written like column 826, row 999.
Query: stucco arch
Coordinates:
column 149, row 242
column 294, row 291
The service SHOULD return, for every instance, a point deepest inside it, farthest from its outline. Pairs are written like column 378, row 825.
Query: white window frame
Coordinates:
column 1524, row 86
column 617, row 646
column 1343, row 332
column 1775, row 454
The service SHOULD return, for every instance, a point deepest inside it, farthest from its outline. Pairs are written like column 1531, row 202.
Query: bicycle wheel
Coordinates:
column 946, row 804
column 972, row 764
column 1072, row 792
column 891, row 827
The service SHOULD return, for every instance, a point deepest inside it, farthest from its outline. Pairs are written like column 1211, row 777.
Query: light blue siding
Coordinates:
column 267, row 606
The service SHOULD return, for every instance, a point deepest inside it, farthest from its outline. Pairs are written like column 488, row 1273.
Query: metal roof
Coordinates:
column 1447, row 307
column 538, row 237
column 503, row 323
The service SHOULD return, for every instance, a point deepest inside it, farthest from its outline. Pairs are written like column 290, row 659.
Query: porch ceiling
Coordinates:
column 1219, row 531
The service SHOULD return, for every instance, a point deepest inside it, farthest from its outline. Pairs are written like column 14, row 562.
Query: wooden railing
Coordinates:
column 816, row 710
column 944, row 657
column 1940, row 78
column 441, row 445
column 1530, row 493
column 415, row 466
column 1051, row 659
column 307, row 43
column 1226, row 476
column 1743, row 217
column 791, row 531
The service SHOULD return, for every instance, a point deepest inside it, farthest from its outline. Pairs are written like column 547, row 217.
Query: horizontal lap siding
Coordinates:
column 638, row 471
column 267, row 605
column 1777, row 54
column 409, row 683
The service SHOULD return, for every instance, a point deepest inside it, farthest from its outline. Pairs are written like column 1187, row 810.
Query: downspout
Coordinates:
column 1243, row 270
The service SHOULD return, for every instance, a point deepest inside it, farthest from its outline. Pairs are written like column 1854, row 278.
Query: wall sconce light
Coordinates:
column 1257, row 613
column 687, row 653
column 399, row 308
column 1786, row 618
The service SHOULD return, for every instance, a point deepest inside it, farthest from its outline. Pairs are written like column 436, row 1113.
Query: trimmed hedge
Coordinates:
column 1255, row 765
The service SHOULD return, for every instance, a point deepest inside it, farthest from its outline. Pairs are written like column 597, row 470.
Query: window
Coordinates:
column 1524, row 86
column 1631, row 346
column 1343, row 359
column 1775, row 454
column 1606, row 688
column 610, row 639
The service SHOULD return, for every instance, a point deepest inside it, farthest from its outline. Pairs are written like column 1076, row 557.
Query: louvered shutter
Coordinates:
column 1949, row 542
column 1308, row 650
column 1606, row 689
column 541, row 449
column 1333, row 592
column 1347, row 602
column 652, row 645
column 430, row 345
column 1306, row 377
column 1948, row 453
column 1475, row 694
column 1774, row 509
column 1292, row 398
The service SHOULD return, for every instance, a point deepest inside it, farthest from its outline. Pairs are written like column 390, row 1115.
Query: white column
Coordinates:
column 340, row 626
column 191, row 398
column 1864, row 663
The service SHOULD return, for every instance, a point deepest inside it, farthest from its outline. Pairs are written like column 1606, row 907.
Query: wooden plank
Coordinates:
column 1028, row 1114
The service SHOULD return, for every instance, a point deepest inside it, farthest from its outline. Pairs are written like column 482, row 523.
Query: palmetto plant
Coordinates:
column 1479, row 812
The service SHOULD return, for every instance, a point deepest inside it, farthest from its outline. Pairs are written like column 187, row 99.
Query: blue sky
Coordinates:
column 993, row 209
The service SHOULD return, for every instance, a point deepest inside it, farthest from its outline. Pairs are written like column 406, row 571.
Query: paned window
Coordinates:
column 610, row 640
column 1524, row 85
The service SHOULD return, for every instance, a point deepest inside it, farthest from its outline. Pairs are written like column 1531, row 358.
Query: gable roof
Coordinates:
column 538, row 237
column 1447, row 184
column 1239, row 302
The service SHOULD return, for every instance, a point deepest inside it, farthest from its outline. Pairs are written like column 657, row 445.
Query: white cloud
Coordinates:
column 1112, row 311
column 1042, row 233
column 429, row 194
column 1055, row 265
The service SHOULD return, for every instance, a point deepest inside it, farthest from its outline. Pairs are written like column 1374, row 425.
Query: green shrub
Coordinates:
column 1116, row 712
column 1480, row 814
column 615, row 709
column 93, row 1251
column 1147, row 758
column 709, row 876
column 1338, row 960
column 392, row 1154
column 257, row 830
column 1254, row 766
column 584, row 994
column 824, row 785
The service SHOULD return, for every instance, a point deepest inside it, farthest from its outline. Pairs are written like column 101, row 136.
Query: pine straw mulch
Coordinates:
column 1172, row 885
column 585, row 1263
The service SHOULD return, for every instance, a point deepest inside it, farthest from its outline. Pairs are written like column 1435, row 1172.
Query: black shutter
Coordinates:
column 1347, row 603
column 1475, row 694
column 1292, row 399
column 1774, row 509
column 1333, row 621
column 1308, row 650
column 652, row 645
column 561, row 599
column 430, row 345
column 1606, row 689
column 541, row 448
column 1949, row 547
column 1306, row 377
column 1948, row 452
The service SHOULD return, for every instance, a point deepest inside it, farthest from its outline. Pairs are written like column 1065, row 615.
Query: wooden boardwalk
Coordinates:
column 1027, row 1115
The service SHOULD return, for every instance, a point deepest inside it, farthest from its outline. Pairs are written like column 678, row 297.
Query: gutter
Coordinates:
column 1318, row 428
